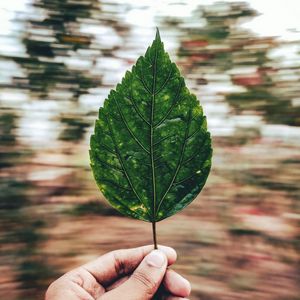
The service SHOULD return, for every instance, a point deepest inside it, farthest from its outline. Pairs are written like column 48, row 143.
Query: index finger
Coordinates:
column 113, row 265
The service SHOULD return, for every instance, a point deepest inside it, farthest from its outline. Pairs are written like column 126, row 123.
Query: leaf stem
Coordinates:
column 154, row 234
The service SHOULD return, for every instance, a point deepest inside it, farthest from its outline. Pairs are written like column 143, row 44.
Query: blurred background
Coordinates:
column 58, row 60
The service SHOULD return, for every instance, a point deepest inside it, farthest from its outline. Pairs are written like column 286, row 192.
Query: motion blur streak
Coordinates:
column 58, row 61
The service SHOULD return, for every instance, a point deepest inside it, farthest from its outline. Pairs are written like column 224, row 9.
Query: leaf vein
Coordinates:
column 195, row 154
column 194, row 133
column 107, row 149
column 185, row 179
column 123, row 166
column 115, row 184
column 176, row 100
column 128, row 128
column 178, row 164
column 137, row 109
column 110, row 165
column 142, row 81
column 162, row 139
column 165, row 83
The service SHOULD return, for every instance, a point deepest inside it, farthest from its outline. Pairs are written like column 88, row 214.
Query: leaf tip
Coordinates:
column 157, row 35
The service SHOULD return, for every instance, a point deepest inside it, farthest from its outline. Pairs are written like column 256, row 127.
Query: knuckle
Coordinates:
column 120, row 267
column 147, row 283
column 77, row 277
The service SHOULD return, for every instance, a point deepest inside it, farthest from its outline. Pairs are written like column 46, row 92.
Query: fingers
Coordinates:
column 173, row 284
column 67, row 289
column 176, row 285
column 78, row 283
column 144, row 281
column 113, row 265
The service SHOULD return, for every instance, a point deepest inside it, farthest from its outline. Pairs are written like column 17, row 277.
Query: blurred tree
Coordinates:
column 50, row 39
column 222, row 46
column 56, row 48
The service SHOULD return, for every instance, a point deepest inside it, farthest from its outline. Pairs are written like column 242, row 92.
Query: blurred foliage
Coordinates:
column 12, row 193
column 75, row 128
column 222, row 46
column 50, row 39
column 241, row 239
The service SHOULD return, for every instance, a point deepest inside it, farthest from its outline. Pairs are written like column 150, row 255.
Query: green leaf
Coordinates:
column 151, row 151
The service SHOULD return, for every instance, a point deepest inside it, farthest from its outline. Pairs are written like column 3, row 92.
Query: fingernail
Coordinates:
column 156, row 259
column 170, row 252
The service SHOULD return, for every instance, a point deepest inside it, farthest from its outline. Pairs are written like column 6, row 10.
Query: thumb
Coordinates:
column 144, row 281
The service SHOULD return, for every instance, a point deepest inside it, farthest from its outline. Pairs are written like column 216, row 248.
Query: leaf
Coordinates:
column 151, row 151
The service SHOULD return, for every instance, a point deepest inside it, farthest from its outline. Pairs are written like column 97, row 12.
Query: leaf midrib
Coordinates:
column 152, row 126
column 152, row 135
column 155, row 208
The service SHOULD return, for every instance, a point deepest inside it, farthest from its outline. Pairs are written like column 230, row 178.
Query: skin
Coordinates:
column 128, row 274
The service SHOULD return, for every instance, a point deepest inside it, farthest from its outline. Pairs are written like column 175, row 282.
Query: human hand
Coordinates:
column 129, row 274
